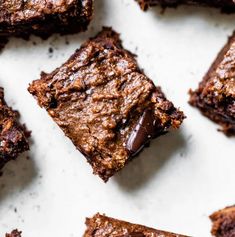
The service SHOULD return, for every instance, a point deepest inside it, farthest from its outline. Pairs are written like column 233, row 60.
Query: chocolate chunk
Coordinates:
column 146, row 129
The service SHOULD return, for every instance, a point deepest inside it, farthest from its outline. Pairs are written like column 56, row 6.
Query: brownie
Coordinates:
column 223, row 222
column 14, row 233
column 227, row 6
column 101, row 225
column 215, row 96
column 21, row 18
column 105, row 104
column 13, row 136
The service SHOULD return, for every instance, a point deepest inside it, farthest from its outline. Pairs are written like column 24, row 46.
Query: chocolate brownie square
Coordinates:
column 14, row 233
column 215, row 96
column 101, row 225
column 227, row 6
column 43, row 17
column 105, row 104
column 13, row 136
column 223, row 222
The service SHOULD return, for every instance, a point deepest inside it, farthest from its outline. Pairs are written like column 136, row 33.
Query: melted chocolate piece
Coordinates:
column 145, row 130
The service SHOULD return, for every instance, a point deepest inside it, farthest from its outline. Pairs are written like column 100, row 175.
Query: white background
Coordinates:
column 173, row 185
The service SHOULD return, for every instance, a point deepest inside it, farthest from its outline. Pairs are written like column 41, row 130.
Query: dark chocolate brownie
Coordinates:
column 13, row 136
column 227, row 6
column 101, row 225
column 223, row 222
column 215, row 96
column 43, row 17
column 105, row 104
column 14, row 233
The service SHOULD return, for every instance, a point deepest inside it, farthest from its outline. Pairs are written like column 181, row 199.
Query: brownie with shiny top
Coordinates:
column 101, row 225
column 43, row 17
column 227, row 6
column 14, row 233
column 223, row 222
column 105, row 104
column 215, row 96
column 13, row 136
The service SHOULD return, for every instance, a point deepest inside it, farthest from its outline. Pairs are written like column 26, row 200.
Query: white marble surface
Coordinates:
column 174, row 185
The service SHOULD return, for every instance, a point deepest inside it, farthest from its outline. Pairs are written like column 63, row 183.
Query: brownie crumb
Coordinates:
column 14, row 233
column 50, row 50
column 223, row 222
column 3, row 42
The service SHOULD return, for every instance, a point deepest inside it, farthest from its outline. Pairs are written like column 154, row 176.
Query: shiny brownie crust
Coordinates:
column 223, row 222
column 227, row 6
column 215, row 96
column 101, row 225
column 105, row 104
column 43, row 17
column 13, row 136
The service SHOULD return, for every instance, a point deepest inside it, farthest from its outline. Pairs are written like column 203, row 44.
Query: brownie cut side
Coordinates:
column 227, row 6
column 43, row 17
column 223, row 222
column 14, row 233
column 215, row 96
column 13, row 136
column 105, row 104
column 101, row 225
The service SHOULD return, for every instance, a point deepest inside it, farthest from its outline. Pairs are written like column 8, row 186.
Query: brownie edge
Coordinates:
column 13, row 135
column 223, row 222
column 14, row 233
column 215, row 96
column 101, row 225
column 226, row 6
column 42, row 18
column 105, row 104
